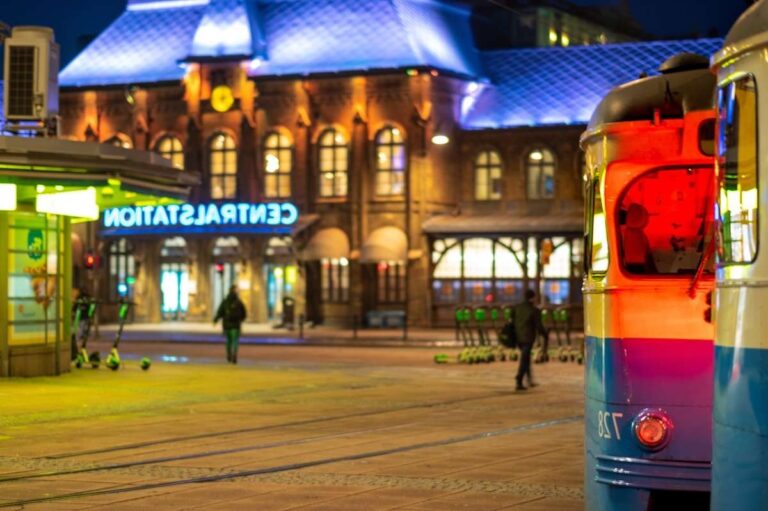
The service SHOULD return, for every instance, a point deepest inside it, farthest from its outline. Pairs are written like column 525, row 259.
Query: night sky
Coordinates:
column 72, row 19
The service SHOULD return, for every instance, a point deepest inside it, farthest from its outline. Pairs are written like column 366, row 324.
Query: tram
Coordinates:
column 649, row 276
column 740, row 443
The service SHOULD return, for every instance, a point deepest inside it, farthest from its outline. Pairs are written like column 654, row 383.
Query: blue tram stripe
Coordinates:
column 740, row 436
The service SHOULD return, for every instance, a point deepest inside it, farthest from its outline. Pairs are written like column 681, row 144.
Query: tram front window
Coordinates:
column 737, row 167
column 662, row 221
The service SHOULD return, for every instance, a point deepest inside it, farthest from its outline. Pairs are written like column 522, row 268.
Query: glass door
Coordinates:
column 174, row 287
column 281, row 283
column 223, row 276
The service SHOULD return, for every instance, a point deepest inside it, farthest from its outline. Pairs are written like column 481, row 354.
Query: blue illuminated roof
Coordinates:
column 554, row 86
column 149, row 40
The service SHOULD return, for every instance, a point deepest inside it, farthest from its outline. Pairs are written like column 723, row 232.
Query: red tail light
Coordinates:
column 652, row 429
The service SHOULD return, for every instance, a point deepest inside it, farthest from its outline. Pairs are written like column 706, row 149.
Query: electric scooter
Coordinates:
column 113, row 359
column 83, row 358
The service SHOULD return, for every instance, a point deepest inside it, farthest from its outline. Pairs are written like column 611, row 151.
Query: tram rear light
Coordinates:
column 652, row 429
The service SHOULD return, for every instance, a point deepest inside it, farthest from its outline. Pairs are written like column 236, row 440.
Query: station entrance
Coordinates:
column 174, row 279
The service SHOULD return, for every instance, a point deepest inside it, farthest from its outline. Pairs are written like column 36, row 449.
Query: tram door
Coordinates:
column 174, row 279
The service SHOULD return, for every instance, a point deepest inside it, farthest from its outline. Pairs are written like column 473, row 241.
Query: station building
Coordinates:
column 361, row 158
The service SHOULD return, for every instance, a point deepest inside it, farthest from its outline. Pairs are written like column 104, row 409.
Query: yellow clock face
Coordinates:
column 222, row 98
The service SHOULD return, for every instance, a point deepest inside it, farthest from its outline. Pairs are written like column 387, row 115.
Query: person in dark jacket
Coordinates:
column 231, row 312
column 527, row 326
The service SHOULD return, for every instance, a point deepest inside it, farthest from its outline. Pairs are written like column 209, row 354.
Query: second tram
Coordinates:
column 649, row 347
column 740, row 451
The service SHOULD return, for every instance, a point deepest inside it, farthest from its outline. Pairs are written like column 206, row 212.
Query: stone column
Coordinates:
column 147, row 289
column 257, row 311
column 205, row 305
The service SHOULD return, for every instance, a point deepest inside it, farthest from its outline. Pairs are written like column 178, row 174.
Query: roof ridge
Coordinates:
column 585, row 47
column 412, row 43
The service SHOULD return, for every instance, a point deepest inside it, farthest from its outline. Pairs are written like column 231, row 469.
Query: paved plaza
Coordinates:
column 292, row 427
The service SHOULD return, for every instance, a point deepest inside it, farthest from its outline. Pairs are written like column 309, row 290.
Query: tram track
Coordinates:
column 218, row 452
column 267, row 427
column 276, row 469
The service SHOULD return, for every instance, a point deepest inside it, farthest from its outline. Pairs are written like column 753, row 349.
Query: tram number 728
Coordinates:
column 604, row 422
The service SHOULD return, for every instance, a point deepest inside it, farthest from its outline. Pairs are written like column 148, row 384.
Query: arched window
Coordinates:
column 278, row 164
column 122, row 269
column 169, row 147
column 390, row 162
column 541, row 174
column 488, row 176
column 334, row 163
column 120, row 140
column 223, row 164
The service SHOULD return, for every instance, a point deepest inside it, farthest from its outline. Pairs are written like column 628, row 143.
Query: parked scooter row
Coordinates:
column 84, row 315
column 481, row 330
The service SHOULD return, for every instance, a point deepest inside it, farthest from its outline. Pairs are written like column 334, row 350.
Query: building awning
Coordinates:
column 120, row 176
column 304, row 221
column 385, row 244
column 504, row 224
column 330, row 243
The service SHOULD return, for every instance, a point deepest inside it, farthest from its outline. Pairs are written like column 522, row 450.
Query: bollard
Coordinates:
column 301, row 326
column 405, row 327
column 354, row 326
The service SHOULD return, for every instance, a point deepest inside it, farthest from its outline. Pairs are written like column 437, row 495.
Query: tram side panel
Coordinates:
column 740, row 448
column 634, row 366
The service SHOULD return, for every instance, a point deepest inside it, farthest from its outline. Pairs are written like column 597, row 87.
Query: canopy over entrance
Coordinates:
column 117, row 176
column 385, row 244
column 330, row 243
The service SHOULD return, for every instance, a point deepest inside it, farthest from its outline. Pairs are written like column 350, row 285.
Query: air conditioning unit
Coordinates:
column 31, row 75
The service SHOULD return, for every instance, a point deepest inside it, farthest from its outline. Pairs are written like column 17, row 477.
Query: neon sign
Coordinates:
column 218, row 217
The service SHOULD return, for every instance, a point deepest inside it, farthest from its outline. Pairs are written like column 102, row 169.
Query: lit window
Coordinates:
column 169, row 147
column 334, row 163
column 223, row 165
column 541, row 174
column 488, row 176
column 552, row 36
column 390, row 162
column 597, row 235
column 390, row 281
column 122, row 270
column 120, row 140
column 661, row 221
column 737, row 172
column 278, row 164
column 334, row 280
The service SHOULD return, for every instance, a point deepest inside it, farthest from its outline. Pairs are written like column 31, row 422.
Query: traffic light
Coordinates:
column 219, row 268
column 90, row 260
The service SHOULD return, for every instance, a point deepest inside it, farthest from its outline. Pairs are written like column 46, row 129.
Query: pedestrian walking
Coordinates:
column 231, row 312
column 527, row 319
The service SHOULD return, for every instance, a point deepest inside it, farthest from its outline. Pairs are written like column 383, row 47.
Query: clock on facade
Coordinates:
column 222, row 98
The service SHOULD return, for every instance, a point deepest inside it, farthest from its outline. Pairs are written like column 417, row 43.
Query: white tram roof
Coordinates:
column 749, row 31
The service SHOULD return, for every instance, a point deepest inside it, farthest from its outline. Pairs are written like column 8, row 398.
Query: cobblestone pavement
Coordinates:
column 292, row 427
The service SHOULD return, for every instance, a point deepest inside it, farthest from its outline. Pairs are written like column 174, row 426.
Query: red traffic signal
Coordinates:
column 219, row 267
column 90, row 260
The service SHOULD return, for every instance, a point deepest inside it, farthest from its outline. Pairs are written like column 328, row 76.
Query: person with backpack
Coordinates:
column 527, row 325
column 232, row 313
